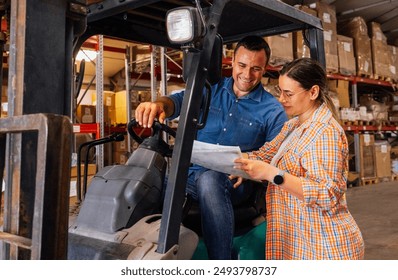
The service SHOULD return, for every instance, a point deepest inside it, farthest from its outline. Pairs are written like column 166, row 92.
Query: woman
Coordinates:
column 306, row 166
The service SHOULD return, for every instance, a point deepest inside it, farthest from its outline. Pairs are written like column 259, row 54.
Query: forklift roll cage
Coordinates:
column 48, row 90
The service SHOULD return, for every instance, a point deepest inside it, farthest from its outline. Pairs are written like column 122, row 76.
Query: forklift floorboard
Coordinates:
column 375, row 209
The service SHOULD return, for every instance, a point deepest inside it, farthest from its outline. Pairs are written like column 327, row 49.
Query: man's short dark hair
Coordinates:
column 254, row 43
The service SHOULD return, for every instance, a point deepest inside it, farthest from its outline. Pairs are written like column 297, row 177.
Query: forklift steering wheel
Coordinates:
column 157, row 127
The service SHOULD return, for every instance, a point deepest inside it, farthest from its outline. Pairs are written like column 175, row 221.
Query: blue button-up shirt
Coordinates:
column 247, row 122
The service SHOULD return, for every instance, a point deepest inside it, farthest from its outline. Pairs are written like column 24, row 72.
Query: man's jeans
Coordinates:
column 216, row 196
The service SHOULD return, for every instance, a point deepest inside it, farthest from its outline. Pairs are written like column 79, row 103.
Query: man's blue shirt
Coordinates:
column 247, row 122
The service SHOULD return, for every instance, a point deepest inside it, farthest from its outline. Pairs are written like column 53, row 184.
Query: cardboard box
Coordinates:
column 345, row 48
column 332, row 63
column 376, row 32
column 111, row 117
column 86, row 113
column 300, row 49
column 327, row 14
column 120, row 157
column 121, row 146
column 380, row 59
column 383, row 159
column 281, row 48
column 109, row 106
column 357, row 29
column 91, row 170
column 394, row 152
column 120, row 107
column 363, row 56
column 393, row 53
column 367, row 156
column 380, row 51
column 342, row 88
column 108, row 98
column 353, row 27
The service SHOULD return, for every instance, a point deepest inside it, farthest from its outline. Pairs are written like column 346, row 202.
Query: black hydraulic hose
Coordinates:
column 117, row 137
column 205, row 106
column 111, row 138
column 80, row 77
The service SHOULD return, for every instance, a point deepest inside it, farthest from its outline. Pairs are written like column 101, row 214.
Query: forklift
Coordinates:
column 36, row 137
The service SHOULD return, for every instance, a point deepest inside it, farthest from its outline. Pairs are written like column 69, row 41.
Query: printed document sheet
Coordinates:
column 217, row 157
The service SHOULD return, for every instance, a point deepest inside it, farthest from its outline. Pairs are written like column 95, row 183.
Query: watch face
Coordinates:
column 278, row 179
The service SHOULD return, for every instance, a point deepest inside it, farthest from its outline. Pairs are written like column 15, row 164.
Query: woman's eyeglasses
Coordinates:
column 287, row 93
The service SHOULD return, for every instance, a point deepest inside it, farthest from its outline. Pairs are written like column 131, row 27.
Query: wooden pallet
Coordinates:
column 364, row 75
column 331, row 71
column 347, row 122
column 384, row 179
column 369, row 181
column 389, row 123
column 368, row 123
column 382, row 78
column 360, row 122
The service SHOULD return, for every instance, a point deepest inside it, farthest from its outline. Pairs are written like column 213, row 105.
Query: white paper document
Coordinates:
column 217, row 157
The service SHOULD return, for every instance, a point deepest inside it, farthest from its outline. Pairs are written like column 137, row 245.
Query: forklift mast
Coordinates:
column 44, row 37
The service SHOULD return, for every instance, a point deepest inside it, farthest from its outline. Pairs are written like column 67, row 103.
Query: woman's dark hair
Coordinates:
column 309, row 72
column 254, row 43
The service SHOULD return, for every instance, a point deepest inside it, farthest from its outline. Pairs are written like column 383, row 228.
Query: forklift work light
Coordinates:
column 183, row 25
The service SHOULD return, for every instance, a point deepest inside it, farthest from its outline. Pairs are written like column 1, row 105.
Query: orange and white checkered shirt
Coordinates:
column 320, row 227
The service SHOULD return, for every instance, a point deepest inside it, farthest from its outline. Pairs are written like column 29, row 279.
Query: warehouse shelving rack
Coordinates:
column 359, row 127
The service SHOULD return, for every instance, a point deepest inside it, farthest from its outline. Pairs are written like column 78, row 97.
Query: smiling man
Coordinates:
column 241, row 114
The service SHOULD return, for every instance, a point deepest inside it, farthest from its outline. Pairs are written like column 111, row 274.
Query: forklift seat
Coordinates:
column 247, row 214
column 250, row 226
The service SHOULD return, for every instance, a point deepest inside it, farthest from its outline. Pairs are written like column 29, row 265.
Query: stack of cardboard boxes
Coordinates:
column 115, row 114
column 357, row 29
column 300, row 49
column 353, row 48
column 383, row 160
column 327, row 14
column 345, row 50
column 375, row 159
column 91, row 170
column 393, row 52
column 281, row 49
column 367, row 171
column 120, row 151
column 380, row 52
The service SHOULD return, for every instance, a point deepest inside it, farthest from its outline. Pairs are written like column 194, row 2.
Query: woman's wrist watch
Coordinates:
column 279, row 178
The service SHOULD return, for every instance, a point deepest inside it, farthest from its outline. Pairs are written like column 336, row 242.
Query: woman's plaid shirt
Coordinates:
column 320, row 227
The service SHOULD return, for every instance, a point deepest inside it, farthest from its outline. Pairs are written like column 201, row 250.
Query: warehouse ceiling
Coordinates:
column 381, row 11
column 384, row 12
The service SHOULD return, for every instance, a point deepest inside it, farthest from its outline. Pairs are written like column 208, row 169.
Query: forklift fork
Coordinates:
column 36, row 227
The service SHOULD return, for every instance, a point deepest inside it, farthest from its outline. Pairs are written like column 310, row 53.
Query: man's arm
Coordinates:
column 146, row 112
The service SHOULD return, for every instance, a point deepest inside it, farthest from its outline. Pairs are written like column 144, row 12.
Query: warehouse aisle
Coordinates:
column 375, row 208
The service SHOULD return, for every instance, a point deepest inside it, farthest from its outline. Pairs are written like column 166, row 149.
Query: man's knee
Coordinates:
column 212, row 179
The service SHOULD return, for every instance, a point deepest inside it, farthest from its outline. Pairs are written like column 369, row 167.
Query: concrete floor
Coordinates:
column 375, row 209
